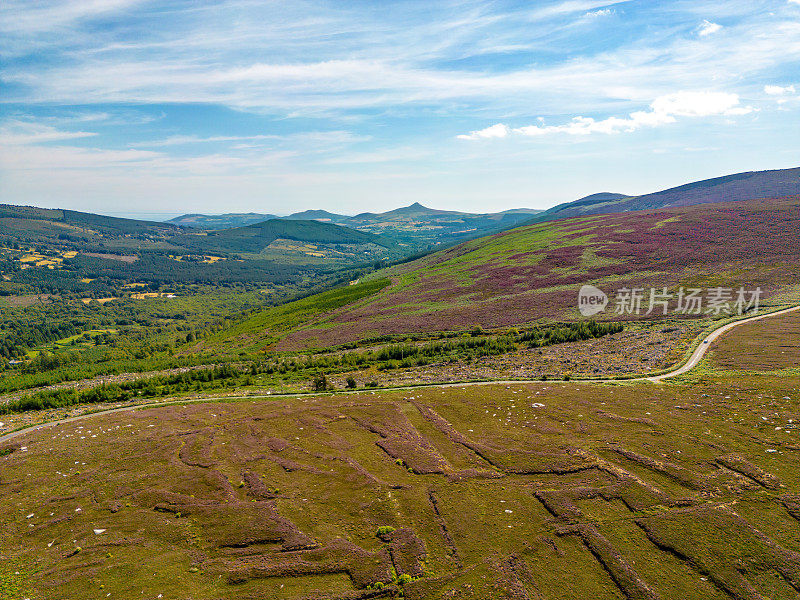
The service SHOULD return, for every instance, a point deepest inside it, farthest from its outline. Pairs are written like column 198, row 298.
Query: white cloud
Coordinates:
column 385, row 69
column 18, row 133
column 777, row 90
column 181, row 140
column 603, row 12
column 26, row 147
column 663, row 110
column 26, row 16
column 336, row 61
column 318, row 138
column 494, row 131
column 696, row 104
column 707, row 28
column 572, row 6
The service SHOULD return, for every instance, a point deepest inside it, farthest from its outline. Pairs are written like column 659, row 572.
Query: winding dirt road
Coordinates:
column 701, row 350
column 694, row 359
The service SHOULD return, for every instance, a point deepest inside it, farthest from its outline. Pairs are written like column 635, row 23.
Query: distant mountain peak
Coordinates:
column 412, row 209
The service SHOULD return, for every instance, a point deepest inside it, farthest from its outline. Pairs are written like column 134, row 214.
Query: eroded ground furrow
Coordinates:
column 540, row 491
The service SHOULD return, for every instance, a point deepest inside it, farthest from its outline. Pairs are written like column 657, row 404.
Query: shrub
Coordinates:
column 321, row 383
column 384, row 530
column 351, row 383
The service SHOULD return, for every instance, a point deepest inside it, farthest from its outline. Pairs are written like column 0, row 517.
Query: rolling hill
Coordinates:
column 533, row 273
column 730, row 188
column 257, row 237
column 416, row 226
column 39, row 224
column 320, row 215
column 226, row 221
column 36, row 225
column 63, row 251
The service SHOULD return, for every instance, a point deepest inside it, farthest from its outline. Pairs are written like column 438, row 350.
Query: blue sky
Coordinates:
column 153, row 108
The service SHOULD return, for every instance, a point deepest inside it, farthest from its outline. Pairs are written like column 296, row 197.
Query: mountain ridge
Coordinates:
column 748, row 185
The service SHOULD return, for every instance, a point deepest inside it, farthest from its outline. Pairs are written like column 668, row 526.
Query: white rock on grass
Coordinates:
column 99, row 531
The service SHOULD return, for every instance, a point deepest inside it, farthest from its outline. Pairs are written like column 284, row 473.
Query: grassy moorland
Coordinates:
column 764, row 346
column 555, row 490
column 533, row 273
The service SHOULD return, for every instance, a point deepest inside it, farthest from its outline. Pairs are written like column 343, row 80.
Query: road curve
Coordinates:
column 703, row 347
column 695, row 358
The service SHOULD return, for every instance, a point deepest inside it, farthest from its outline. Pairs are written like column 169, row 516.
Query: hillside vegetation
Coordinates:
column 257, row 237
column 44, row 251
column 730, row 188
column 534, row 272
column 225, row 221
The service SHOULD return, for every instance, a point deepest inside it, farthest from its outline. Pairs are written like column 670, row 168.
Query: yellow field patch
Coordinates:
column 294, row 247
column 146, row 295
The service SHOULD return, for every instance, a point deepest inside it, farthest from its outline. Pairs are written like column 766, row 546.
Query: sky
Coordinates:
column 155, row 109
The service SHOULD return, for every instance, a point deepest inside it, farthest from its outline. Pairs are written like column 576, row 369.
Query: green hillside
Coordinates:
column 32, row 224
column 533, row 273
column 226, row 221
column 47, row 251
column 256, row 237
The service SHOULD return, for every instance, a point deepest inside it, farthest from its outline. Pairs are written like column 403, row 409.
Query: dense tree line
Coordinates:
column 160, row 385
column 568, row 332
